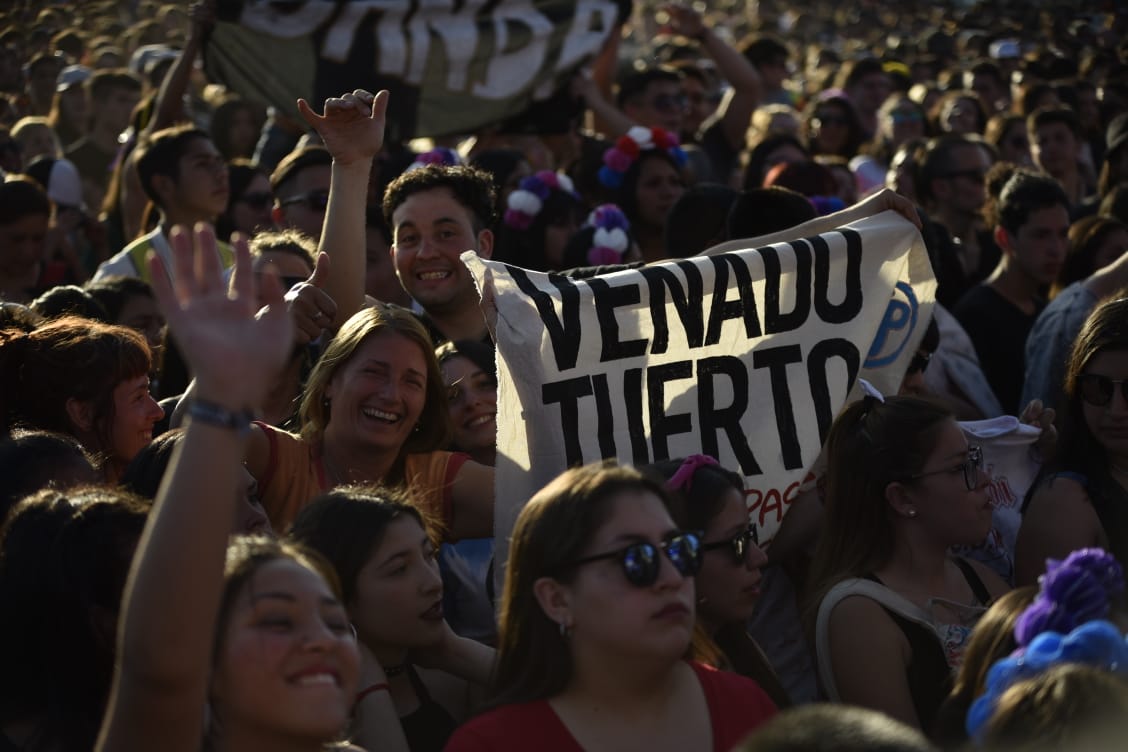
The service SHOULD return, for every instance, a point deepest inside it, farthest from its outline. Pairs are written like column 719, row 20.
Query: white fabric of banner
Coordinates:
column 746, row 355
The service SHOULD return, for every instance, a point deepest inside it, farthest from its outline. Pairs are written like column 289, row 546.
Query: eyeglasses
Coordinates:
column 919, row 362
column 314, row 200
column 971, row 467
column 737, row 545
column 259, row 200
column 976, row 176
column 670, row 103
column 641, row 563
column 1097, row 390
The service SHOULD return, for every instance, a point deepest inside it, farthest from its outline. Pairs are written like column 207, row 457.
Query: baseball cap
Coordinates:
column 61, row 180
column 70, row 76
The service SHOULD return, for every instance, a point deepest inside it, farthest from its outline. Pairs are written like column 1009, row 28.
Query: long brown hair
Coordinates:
column 870, row 445
column 434, row 428
column 552, row 531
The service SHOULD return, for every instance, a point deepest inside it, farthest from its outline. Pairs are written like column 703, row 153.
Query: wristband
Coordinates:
column 220, row 417
column 370, row 690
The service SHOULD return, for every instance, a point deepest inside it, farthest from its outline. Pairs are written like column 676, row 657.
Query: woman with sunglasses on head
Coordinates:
column 891, row 608
column 1081, row 499
column 710, row 499
column 596, row 618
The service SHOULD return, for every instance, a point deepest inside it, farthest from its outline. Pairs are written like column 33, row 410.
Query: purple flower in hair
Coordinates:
column 1073, row 591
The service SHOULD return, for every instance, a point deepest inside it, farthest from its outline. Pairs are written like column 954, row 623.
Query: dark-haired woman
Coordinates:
column 597, row 616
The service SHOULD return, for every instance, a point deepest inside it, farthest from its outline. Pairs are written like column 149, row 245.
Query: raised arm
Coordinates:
column 352, row 128
column 883, row 200
column 738, row 105
column 168, row 109
column 171, row 601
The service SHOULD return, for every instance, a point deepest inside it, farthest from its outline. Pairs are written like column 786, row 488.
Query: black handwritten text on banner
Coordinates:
column 746, row 356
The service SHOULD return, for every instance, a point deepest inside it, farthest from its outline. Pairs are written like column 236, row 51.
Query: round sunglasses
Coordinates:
column 1097, row 390
column 641, row 562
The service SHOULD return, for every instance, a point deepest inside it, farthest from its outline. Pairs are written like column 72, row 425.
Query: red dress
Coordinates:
column 737, row 706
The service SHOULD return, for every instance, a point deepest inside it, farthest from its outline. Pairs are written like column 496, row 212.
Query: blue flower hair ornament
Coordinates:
column 1073, row 600
column 1098, row 644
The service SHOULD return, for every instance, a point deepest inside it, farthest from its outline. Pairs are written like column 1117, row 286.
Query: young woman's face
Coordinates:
column 659, row 186
column 399, row 593
column 951, row 512
column 1109, row 422
column 378, row 396
column 829, row 129
column 728, row 586
column 610, row 615
column 473, row 403
column 289, row 662
column 135, row 414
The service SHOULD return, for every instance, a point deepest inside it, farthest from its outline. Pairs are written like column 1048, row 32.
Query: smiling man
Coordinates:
column 436, row 213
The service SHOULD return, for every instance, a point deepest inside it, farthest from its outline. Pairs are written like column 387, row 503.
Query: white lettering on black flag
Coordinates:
column 746, row 356
column 451, row 67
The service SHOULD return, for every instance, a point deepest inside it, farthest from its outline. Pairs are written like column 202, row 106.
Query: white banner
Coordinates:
column 746, row 355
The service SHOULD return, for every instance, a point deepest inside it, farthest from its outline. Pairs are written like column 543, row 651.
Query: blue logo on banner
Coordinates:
column 897, row 325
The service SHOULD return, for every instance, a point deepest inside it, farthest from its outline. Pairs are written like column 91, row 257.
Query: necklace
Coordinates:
column 399, row 668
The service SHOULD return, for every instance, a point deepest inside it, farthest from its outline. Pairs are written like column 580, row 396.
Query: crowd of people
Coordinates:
column 248, row 397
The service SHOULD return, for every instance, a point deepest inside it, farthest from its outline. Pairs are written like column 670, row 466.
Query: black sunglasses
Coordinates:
column 738, row 544
column 1097, row 390
column 971, row 468
column 919, row 362
column 258, row 200
column 314, row 200
column 641, row 563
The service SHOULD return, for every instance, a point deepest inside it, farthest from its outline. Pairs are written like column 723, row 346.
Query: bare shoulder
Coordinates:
column 1059, row 519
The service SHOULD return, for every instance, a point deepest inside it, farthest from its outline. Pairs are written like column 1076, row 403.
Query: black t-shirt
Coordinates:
column 952, row 282
column 998, row 330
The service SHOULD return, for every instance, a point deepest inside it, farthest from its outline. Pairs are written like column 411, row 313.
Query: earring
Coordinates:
column 702, row 601
column 417, row 428
column 565, row 630
column 912, row 513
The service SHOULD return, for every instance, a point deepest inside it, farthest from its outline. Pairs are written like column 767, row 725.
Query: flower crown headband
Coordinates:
column 1064, row 624
column 610, row 241
column 619, row 158
column 440, row 155
column 525, row 203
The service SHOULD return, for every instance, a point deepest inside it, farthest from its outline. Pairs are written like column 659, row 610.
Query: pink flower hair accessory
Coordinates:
column 619, row 158
column 682, row 480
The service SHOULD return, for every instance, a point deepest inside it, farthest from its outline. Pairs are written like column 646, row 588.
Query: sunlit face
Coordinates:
column 201, row 185
column 473, row 403
column 377, row 397
column 609, row 614
column 135, row 414
column 727, row 588
column 288, row 663
column 431, row 230
column 399, row 593
column 945, row 507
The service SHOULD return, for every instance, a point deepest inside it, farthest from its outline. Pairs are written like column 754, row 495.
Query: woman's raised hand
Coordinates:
column 234, row 355
column 352, row 126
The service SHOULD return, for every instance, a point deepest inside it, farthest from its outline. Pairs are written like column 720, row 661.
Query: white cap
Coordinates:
column 64, row 185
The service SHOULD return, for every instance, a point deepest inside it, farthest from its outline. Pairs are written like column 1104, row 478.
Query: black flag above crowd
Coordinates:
column 452, row 66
